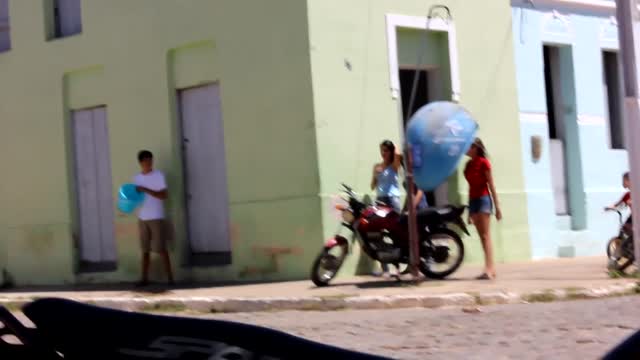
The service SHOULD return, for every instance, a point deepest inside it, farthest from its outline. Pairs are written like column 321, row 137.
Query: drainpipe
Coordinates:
column 629, row 34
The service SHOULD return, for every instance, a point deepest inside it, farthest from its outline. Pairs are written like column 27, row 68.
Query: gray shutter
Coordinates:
column 5, row 26
column 104, row 185
column 70, row 17
column 205, row 169
column 94, row 185
column 86, row 186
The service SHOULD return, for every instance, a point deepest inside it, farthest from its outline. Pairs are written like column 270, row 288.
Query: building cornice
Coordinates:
column 601, row 6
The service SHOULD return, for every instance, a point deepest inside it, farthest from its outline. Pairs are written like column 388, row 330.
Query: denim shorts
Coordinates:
column 482, row 205
column 392, row 201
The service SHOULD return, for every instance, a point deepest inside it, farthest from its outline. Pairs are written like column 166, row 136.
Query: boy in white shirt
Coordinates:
column 151, row 216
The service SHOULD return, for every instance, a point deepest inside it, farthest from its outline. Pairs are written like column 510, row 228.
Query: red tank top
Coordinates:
column 626, row 199
column 476, row 174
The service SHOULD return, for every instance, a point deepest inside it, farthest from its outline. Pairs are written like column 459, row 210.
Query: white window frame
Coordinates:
column 611, row 44
column 395, row 22
column 554, row 16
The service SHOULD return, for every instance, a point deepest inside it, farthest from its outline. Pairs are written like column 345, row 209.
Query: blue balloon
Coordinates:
column 440, row 134
column 129, row 198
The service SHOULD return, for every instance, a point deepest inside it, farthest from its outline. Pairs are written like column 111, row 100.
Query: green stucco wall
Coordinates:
column 131, row 57
column 305, row 99
column 354, row 108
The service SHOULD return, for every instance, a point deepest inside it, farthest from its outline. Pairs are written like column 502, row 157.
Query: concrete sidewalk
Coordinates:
column 547, row 280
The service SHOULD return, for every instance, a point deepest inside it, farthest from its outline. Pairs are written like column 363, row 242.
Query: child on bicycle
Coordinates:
column 625, row 202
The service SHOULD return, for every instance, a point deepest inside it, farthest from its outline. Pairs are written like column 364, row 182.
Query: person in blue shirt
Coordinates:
column 385, row 176
column 385, row 182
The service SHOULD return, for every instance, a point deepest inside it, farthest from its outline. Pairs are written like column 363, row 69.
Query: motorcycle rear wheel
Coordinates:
column 326, row 265
column 622, row 254
column 442, row 253
column 612, row 245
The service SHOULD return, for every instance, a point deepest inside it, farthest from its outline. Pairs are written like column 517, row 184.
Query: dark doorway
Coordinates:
column 613, row 87
column 422, row 98
column 422, row 91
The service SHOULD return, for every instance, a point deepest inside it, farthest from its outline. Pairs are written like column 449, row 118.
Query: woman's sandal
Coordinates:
column 486, row 276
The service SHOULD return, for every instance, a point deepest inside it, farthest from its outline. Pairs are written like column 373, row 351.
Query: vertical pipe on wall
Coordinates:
column 629, row 32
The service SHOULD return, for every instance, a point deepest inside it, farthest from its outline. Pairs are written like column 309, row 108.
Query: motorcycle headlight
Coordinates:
column 347, row 216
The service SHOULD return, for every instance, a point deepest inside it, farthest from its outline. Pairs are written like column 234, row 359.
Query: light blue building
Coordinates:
column 570, row 100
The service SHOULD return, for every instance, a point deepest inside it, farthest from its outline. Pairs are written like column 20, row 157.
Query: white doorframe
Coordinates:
column 395, row 22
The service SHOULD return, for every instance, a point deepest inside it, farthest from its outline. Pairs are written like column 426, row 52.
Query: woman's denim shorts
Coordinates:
column 482, row 205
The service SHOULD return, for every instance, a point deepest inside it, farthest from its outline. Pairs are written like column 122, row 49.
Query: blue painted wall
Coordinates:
column 601, row 167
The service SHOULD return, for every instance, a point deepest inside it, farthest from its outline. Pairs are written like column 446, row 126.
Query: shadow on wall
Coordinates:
column 7, row 280
column 274, row 254
column 365, row 265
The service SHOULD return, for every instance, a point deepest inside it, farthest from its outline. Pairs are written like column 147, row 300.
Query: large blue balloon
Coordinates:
column 439, row 134
column 129, row 198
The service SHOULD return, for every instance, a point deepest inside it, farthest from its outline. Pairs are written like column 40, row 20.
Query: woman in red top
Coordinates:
column 482, row 198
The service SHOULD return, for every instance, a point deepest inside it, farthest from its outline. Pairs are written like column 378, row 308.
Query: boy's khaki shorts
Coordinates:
column 153, row 235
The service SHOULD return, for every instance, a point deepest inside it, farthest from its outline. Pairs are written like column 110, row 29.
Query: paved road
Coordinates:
column 563, row 330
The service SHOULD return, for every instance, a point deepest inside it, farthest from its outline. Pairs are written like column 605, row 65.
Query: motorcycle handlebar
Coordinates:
column 617, row 212
column 348, row 189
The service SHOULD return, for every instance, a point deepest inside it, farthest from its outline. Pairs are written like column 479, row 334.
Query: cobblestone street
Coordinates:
column 562, row 330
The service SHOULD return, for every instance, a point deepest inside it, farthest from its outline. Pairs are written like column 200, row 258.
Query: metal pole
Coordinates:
column 414, row 241
column 414, row 247
column 629, row 34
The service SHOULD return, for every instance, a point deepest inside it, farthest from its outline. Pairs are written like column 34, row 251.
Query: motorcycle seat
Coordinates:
column 435, row 214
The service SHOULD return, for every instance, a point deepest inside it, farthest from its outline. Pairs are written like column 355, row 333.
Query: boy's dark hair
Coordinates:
column 626, row 175
column 144, row 155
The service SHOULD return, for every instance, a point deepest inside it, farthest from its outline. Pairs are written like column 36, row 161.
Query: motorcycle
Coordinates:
column 383, row 235
column 620, row 249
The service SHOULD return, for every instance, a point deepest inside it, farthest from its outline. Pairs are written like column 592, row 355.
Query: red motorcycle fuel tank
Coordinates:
column 377, row 219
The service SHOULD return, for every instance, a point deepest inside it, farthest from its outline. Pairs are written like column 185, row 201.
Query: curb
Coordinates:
column 236, row 305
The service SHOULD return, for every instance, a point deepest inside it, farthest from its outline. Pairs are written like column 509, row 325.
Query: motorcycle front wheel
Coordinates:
column 327, row 264
column 445, row 257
